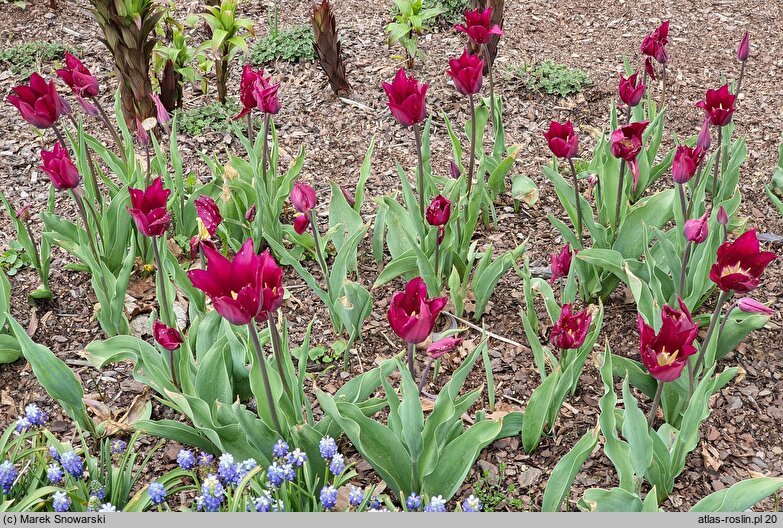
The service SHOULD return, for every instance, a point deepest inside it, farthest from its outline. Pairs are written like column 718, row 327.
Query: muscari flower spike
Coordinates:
column 60, row 501
column 72, row 463
column 7, row 476
column 54, row 473
column 186, row 459
column 329, row 497
column 328, row 447
column 437, row 504
column 413, row 502
column 337, row 465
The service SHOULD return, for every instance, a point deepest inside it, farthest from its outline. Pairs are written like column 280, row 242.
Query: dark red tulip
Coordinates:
column 649, row 68
column 142, row 134
column 167, row 337
column 740, row 264
column 149, row 208
column 439, row 211
column 197, row 242
column 718, row 105
column 301, row 223
column 303, row 197
column 209, row 214
column 58, row 166
column 570, row 330
column 39, row 103
column 454, row 171
column 723, row 217
column 748, row 305
column 407, row 99
column 467, row 72
column 443, row 346
column 78, row 77
column 654, row 43
column 348, row 195
column 626, row 143
column 631, row 89
column 247, row 288
column 246, row 90
column 478, row 26
column 250, row 214
column 265, row 94
column 411, row 314
column 666, row 354
column 704, row 140
column 560, row 263
column 696, row 229
column 562, row 139
column 743, row 52
column 686, row 161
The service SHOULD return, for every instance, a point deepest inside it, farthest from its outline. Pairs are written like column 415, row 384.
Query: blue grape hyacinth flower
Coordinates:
column 61, row 502
column 329, row 497
column 157, row 493
column 7, row 476
column 72, row 463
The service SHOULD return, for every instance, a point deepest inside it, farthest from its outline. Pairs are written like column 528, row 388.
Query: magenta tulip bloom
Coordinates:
column 162, row 115
column 209, row 213
column 654, row 43
column 723, row 217
column 443, row 346
column 748, row 305
column 303, row 197
column 439, row 211
column 58, row 166
column 78, row 77
column 570, row 330
column 149, row 208
column 719, row 105
column 467, row 72
column 407, row 99
column 743, row 52
column 631, row 90
column 250, row 214
column 265, row 94
column 411, row 314
column 167, row 337
column 626, row 143
column 740, row 264
column 301, row 223
column 39, row 103
column 696, row 230
column 560, row 263
column 686, row 161
column 246, row 90
column 704, row 140
column 562, row 139
column 649, row 68
column 478, row 26
column 247, row 288
column 665, row 354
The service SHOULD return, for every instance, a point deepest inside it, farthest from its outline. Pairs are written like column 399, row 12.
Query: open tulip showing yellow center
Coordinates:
column 666, row 359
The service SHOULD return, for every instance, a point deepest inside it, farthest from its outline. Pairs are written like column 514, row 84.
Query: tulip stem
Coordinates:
column 696, row 181
column 692, row 373
column 472, row 165
column 731, row 308
column 577, row 199
column 264, row 376
column 621, row 182
column 118, row 143
column 420, row 174
column 277, row 349
column 411, row 366
column 683, row 267
column 487, row 57
column 165, row 307
column 250, row 126
column 715, row 168
column 265, row 150
column 656, row 401
column 663, row 95
column 424, row 374
column 739, row 82
column 87, row 228
column 93, row 174
column 437, row 258
column 317, row 244
column 683, row 207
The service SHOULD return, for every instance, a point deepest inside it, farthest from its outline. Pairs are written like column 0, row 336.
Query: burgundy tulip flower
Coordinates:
column 719, row 105
column 303, row 197
column 723, row 217
column 704, row 140
column 443, row 346
column 560, row 263
column 743, row 52
column 301, row 223
column 39, row 103
column 467, row 72
column 265, row 94
column 649, row 68
column 454, row 171
column 654, row 43
column 478, row 26
column 411, row 314
column 250, row 214
column 247, row 288
column 149, row 208
column 209, row 214
column 570, row 330
column 562, row 139
column 407, row 99
column 246, row 90
column 58, row 166
column 631, row 90
column 666, row 353
column 748, row 305
column 167, row 337
column 740, row 264
column 78, row 77
column 686, row 161
column 348, row 195
column 626, row 143
column 696, row 230
column 438, row 214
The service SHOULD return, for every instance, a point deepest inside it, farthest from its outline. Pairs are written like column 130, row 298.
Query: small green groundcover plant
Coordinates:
column 24, row 58
column 550, row 78
column 292, row 44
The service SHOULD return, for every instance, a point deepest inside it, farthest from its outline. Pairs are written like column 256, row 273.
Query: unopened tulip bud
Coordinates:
column 743, row 52
column 454, row 170
column 704, row 140
column 696, row 230
column 723, row 217
column 250, row 215
column 443, row 346
column 349, row 197
column 748, row 305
